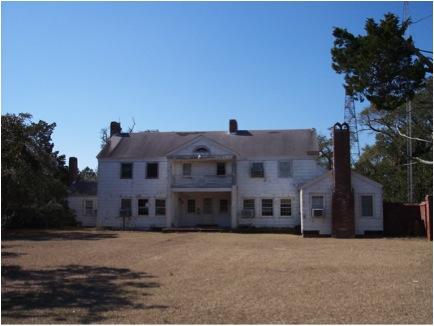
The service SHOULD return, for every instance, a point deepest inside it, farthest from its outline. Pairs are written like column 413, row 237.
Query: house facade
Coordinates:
column 227, row 179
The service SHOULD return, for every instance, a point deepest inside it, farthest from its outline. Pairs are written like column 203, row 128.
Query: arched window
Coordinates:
column 201, row 150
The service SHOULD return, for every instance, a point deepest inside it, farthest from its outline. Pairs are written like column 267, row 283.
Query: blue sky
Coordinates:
column 179, row 66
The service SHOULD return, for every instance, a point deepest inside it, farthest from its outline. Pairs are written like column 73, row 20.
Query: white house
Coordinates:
column 82, row 196
column 263, row 178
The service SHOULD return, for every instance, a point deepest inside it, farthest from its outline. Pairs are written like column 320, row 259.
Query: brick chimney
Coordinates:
column 115, row 128
column 72, row 170
column 343, row 225
column 233, row 126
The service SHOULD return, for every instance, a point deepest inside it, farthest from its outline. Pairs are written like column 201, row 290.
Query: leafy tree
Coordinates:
column 34, row 176
column 383, row 66
column 87, row 174
column 325, row 158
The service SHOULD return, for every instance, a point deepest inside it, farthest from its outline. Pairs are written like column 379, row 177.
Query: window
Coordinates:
column 224, row 205
column 88, row 207
column 257, row 170
column 367, row 206
column 126, row 170
column 267, row 207
column 125, row 207
column 221, row 168
column 285, row 207
column 201, row 150
column 152, row 170
column 191, row 206
column 207, row 205
column 160, row 207
column 186, row 169
column 317, row 202
column 143, row 207
column 285, row 169
column 249, row 204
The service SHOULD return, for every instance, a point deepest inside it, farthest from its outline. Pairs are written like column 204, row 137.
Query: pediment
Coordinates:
column 201, row 146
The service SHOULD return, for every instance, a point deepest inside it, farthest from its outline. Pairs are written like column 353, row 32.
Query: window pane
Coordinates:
column 284, row 169
column 143, row 207
column 126, row 170
column 186, row 169
column 267, row 207
column 318, row 202
column 152, row 170
column 285, row 207
column 191, row 206
column 160, row 207
column 221, row 168
column 367, row 206
column 207, row 205
column 249, row 204
column 223, row 205
column 257, row 170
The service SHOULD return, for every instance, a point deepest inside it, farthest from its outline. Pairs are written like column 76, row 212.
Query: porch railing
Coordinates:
column 203, row 181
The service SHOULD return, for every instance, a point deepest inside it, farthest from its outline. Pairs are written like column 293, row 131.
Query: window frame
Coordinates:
column 220, row 164
column 279, row 171
column 262, row 208
column 220, row 206
column 147, row 170
column 311, row 203
column 160, row 207
column 372, row 203
column 143, row 207
column 122, row 170
column 86, row 213
column 290, row 207
column 130, row 208
column 194, row 206
column 252, row 164
column 184, row 170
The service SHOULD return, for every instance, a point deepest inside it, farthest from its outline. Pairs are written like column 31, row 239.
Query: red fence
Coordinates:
column 408, row 219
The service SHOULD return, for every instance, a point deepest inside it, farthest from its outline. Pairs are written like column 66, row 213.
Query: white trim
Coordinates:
column 374, row 216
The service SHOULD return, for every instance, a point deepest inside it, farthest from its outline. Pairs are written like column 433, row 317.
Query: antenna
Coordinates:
column 410, row 190
column 350, row 118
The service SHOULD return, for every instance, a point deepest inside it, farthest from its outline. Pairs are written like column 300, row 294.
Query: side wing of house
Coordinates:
column 84, row 208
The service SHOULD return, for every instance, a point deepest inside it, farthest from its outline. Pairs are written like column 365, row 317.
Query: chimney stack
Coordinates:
column 233, row 126
column 115, row 128
column 72, row 170
column 343, row 225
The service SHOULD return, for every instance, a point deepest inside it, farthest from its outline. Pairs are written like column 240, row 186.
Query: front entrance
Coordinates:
column 203, row 209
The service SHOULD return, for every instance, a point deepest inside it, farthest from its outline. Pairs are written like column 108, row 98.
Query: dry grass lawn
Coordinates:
column 90, row 276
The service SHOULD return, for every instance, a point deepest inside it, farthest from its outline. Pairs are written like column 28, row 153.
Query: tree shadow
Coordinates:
column 89, row 291
column 8, row 254
column 46, row 235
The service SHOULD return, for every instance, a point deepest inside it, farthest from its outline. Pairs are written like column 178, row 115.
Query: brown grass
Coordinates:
column 90, row 276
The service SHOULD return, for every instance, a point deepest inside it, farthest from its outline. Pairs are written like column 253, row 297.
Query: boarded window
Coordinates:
column 152, row 170
column 285, row 207
column 186, row 169
column 221, row 168
column 126, row 170
column 285, row 169
column 88, row 207
column 143, row 207
column 191, row 206
column 367, row 205
column 257, row 170
column 207, row 205
column 267, row 207
column 125, row 207
column 318, row 202
column 224, row 206
column 160, row 207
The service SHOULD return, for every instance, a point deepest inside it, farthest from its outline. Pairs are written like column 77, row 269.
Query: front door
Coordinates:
column 207, row 212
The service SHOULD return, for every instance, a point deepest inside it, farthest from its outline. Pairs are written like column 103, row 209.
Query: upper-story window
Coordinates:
column 221, row 168
column 186, row 169
column 285, row 169
column 152, row 170
column 126, row 170
column 257, row 170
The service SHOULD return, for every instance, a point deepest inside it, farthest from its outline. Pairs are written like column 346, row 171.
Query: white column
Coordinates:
column 234, row 205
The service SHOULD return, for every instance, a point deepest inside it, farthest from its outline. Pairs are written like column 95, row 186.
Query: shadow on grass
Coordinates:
column 73, row 293
column 46, row 235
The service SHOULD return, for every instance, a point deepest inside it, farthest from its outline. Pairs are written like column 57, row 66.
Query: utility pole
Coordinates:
column 410, row 190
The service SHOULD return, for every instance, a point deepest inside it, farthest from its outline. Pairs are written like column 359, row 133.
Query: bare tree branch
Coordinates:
column 412, row 138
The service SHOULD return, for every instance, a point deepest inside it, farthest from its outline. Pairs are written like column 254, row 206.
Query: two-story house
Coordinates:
column 260, row 178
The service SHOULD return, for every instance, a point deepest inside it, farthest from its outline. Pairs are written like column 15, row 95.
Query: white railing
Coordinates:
column 203, row 181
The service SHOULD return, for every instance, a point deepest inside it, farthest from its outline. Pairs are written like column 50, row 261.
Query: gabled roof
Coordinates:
column 255, row 143
column 329, row 173
column 83, row 188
